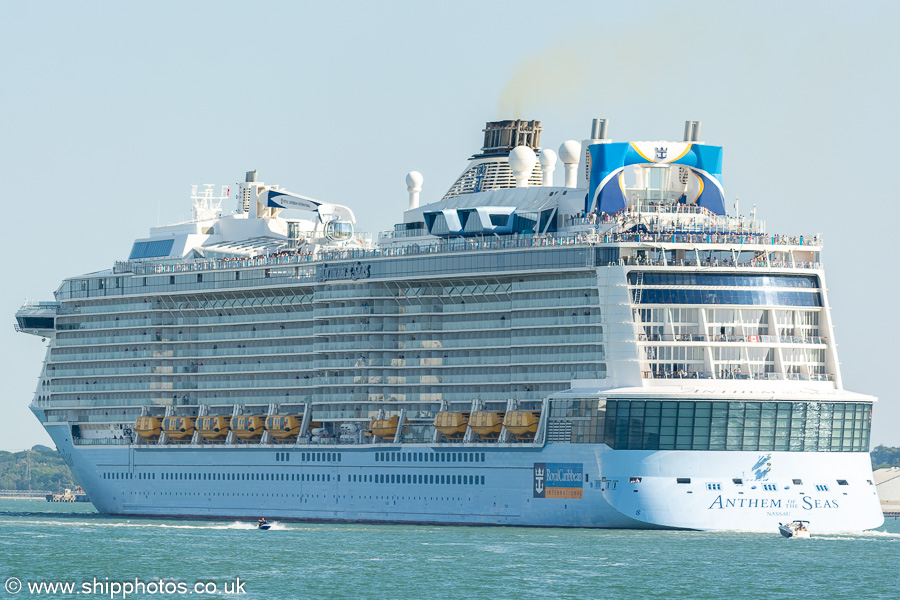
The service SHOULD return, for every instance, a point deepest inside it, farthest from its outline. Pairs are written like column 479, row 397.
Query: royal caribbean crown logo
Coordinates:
column 661, row 153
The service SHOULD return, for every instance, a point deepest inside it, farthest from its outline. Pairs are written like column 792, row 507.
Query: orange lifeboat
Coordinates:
column 487, row 423
column 452, row 424
column 248, row 427
column 284, row 427
column 213, row 428
column 383, row 428
column 179, row 428
column 522, row 423
column 148, row 428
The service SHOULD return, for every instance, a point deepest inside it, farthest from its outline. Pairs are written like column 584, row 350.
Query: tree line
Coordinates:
column 885, row 456
column 47, row 470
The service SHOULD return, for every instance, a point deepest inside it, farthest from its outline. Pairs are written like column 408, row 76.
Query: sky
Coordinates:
column 109, row 111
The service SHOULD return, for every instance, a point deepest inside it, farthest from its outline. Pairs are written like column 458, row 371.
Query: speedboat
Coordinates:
column 794, row 529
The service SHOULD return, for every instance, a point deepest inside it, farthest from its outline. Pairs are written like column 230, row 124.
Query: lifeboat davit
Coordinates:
column 179, row 428
column 384, row 428
column 148, row 428
column 522, row 423
column 213, row 427
column 248, row 427
column 487, row 423
column 452, row 424
column 284, row 427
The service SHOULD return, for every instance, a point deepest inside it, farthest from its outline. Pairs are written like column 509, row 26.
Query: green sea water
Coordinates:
column 71, row 543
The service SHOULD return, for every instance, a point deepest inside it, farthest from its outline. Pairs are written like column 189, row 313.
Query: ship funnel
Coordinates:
column 692, row 131
column 569, row 153
column 250, row 177
column 414, row 186
column 548, row 165
column 521, row 163
column 598, row 129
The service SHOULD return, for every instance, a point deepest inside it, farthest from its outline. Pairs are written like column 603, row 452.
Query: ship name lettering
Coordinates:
column 810, row 503
column 723, row 503
column 352, row 271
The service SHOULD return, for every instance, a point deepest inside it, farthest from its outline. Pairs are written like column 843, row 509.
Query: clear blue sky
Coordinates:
column 110, row 110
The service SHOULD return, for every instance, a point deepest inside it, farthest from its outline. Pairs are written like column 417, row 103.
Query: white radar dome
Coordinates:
column 521, row 162
column 570, row 152
column 522, row 158
column 548, row 158
column 414, row 180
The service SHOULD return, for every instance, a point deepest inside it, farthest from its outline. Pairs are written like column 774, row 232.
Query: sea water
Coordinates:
column 71, row 543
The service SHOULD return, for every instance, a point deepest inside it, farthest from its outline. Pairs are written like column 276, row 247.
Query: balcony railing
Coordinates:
column 481, row 243
column 684, row 374
column 700, row 337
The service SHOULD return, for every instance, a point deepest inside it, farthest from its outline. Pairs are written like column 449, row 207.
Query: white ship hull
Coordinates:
column 616, row 489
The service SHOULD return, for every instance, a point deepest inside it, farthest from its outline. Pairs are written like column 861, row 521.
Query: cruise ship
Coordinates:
column 618, row 352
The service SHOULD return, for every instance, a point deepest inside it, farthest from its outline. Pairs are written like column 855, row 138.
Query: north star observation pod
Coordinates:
column 694, row 174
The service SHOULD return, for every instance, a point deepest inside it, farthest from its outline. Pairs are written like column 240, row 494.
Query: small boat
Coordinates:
column 263, row 524
column 794, row 529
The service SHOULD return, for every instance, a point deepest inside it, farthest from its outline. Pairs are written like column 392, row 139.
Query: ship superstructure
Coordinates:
column 614, row 352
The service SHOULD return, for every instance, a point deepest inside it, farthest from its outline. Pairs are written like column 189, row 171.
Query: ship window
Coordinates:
column 822, row 488
column 199, row 277
column 684, row 480
column 482, row 480
column 237, row 275
column 842, row 482
column 482, row 457
column 797, row 481
column 738, row 481
column 171, row 280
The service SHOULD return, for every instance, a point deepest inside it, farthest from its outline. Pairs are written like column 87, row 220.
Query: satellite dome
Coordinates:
column 570, row 152
column 414, row 179
column 522, row 158
column 548, row 158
